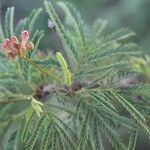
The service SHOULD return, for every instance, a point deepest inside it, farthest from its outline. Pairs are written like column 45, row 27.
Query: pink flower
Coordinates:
column 13, row 47
column 25, row 38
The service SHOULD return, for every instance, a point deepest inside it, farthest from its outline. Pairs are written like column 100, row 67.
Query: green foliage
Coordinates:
column 28, row 22
column 31, row 141
column 132, row 140
column 72, row 99
column 63, row 34
column 142, row 66
column 64, row 67
column 9, row 21
column 11, row 142
column 1, row 34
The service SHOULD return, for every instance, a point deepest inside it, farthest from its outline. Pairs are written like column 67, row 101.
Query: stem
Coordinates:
column 19, row 98
column 12, row 101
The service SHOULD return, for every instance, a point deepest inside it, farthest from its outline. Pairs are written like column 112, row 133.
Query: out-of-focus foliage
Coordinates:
column 124, row 13
column 119, row 13
column 142, row 66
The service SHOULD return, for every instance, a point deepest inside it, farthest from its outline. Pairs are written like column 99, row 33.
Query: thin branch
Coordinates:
column 12, row 101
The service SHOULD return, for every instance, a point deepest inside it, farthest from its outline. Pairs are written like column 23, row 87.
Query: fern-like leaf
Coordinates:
column 9, row 22
column 64, row 35
column 132, row 140
column 65, row 70
column 32, row 140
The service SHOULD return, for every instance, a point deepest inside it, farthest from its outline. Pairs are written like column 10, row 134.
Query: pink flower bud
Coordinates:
column 25, row 37
column 17, row 46
column 29, row 46
column 14, row 40
column 12, row 55
column 6, row 44
column 14, row 48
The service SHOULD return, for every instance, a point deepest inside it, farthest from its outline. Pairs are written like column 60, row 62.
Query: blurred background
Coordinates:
column 119, row 13
column 134, row 14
